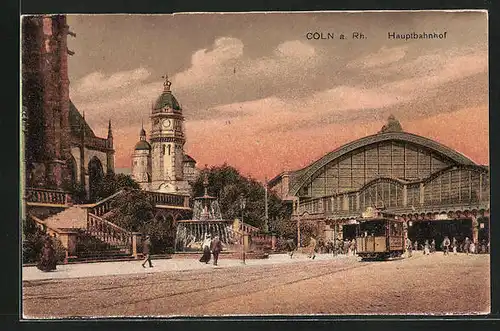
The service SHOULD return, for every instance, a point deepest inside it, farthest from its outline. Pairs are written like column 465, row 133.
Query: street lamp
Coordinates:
column 242, row 206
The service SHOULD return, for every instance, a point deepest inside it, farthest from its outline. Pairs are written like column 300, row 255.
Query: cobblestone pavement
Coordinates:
column 455, row 284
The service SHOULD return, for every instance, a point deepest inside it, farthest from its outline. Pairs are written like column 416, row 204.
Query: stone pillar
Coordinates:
column 405, row 196
column 358, row 204
column 68, row 240
column 273, row 241
column 298, row 231
column 136, row 241
column 422, row 193
column 475, row 230
column 322, row 229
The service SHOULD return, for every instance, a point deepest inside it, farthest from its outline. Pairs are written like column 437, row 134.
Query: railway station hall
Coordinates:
column 436, row 190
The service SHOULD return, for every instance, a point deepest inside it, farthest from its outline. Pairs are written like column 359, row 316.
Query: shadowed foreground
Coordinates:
column 433, row 284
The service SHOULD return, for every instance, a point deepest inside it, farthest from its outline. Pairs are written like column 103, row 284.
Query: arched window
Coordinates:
column 168, row 149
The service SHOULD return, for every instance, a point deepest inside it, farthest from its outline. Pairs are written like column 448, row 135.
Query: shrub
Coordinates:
column 33, row 243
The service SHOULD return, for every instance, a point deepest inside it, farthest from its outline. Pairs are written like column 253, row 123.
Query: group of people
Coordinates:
column 468, row 246
column 211, row 246
column 346, row 247
column 310, row 249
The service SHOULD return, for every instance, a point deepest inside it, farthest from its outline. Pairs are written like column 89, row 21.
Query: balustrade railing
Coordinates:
column 247, row 228
column 108, row 232
column 36, row 195
column 102, row 207
column 159, row 198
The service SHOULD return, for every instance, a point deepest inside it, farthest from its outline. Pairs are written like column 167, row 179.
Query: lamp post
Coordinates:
column 266, row 217
column 242, row 206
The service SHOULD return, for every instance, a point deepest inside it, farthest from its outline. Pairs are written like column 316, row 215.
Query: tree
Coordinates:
column 113, row 183
column 134, row 212
column 228, row 185
column 131, row 210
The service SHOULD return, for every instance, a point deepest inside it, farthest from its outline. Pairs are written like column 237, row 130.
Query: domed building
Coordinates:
column 161, row 164
column 435, row 189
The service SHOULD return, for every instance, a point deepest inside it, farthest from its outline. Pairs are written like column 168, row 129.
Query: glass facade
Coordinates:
column 388, row 159
column 392, row 175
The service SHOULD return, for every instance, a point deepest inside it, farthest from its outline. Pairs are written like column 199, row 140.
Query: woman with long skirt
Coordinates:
column 47, row 257
column 206, row 249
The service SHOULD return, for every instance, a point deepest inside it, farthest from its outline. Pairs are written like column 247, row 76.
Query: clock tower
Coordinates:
column 167, row 142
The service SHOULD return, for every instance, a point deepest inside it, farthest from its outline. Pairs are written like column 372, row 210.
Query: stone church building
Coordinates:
column 61, row 151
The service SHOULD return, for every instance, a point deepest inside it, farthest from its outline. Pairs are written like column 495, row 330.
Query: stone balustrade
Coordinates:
column 159, row 198
column 45, row 196
column 108, row 232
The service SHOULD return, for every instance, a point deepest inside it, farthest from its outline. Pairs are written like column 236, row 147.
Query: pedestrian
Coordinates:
column 426, row 248
column 206, row 249
column 329, row 247
column 416, row 245
column 312, row 248
column 345, row 249
column 147, row 249
column 47, row 257
column 353, row 247
column 446, row 245
column 409, row 247
column 433, row 246
column 472, row 247
column 467, row 245
column 454, row 245
column 290, row 245
column 216, row 247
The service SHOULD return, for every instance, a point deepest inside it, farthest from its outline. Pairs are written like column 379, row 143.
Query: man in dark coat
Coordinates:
column 147, row 249
column 290, row 245
column 216, row 247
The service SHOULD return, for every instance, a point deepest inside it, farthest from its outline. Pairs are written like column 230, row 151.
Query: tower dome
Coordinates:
column 142, row 144
column 166, row 99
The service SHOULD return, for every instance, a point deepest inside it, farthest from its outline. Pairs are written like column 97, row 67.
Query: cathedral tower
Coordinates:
column 167, row 141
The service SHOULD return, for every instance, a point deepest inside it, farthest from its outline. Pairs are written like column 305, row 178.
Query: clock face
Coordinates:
column 167, row 123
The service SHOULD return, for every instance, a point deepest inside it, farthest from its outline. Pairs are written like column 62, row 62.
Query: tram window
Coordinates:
column 373, row 228
column 396, row 229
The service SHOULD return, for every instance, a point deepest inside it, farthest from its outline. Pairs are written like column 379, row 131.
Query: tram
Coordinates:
column 379, row 235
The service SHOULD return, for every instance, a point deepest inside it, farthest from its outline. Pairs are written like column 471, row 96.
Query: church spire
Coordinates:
column 110, row 131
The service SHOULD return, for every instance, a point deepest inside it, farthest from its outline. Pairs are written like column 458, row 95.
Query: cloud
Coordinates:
column 210, row 65
column 97, row 82
column 383, row 57
column 295, row 49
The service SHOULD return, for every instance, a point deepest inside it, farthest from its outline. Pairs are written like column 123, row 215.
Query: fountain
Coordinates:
column 207, row 219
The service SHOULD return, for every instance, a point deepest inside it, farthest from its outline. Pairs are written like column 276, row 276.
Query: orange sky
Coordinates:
column 289, row 100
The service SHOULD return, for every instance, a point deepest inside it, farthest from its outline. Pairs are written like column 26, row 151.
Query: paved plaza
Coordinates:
column 455, row 284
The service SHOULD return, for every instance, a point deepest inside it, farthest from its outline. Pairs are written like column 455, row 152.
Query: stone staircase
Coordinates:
column 74, row 217
column 96, row 238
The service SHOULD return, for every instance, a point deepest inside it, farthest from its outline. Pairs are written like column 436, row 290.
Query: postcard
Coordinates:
column 255, row 164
